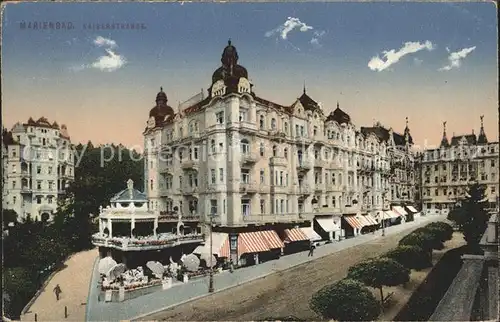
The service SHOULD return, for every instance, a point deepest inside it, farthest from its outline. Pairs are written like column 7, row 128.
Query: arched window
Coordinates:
column 261, row 122
column 273, row 124
column 244, row 146
column 299, row 156
column 275, row 151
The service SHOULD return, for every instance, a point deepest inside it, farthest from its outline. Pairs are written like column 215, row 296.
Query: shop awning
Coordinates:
column 252, row 242
column 220, row 245
column 294, row 235
column 327, row 223
column 412, row 209
column 310, row 233
column 273, row 240
column 399, row 210
column 354, row 222
column 370, row 220
column 389, row 214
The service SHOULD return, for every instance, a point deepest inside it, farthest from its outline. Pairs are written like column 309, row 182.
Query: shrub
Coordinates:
column 380, row 272
column 443, row 230
column 426, row 240
column 346, row 300
column 411, row 257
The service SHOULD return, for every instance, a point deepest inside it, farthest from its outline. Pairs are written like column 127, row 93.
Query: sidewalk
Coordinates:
column 158, row 301
column 74, row 282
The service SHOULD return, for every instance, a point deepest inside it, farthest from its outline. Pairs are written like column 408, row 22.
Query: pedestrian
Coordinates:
column 58, row 291
column 311, row 249
column 231, row 266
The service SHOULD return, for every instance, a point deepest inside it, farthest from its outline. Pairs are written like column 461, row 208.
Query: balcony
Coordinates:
column 26, row 190
column 273, row 218
column 166, row 216
column 190, row 164
column 244, row 125
column 277, row 135
column 247, row 158
column 247, row 187
column 189, row 190
column 160, row 241
column 303, row 166
column 304, row 189
column 165, row 192
column 167, row 169
column 277, row 161
column 318, row 163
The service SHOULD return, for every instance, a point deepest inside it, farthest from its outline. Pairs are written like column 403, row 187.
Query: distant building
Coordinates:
column 448, row 170
column 265, row 168
column 38, row 165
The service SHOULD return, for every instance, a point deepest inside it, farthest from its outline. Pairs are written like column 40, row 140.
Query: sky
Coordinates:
column 430, row 62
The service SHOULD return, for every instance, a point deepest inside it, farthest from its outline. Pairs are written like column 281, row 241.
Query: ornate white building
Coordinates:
column 37, row 168
column 254, row 162
column 448, row 170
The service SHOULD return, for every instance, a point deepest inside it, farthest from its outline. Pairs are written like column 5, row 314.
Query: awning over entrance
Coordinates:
column 412, row 209
column 252, row 242
column 310, row 233
column 327, row 223
column 354, row 222
column 220, row 245
column 273, row 240
column 389, row 214
column 370, row 221
column 294, row 235
column 399, row 210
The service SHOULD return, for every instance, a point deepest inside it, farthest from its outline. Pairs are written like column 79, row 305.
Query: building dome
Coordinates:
column 230, row 68
column 339, row 116
column 161, row 109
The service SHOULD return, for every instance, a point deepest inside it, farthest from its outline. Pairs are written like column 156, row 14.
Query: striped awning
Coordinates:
column 389, row 214
column 399, row 210
column 272, row 239
column 354, row 222
column 370, row 220
column 310, row 233
column 220, row 245
column 252, row 242
column 327, row 223
column 412, row 209
column 295, row 234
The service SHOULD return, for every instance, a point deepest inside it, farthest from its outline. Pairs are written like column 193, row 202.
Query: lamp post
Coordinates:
column 211, row 273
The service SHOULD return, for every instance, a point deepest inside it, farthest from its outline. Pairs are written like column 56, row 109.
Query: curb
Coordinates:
column 241, row 283
column 87, row 306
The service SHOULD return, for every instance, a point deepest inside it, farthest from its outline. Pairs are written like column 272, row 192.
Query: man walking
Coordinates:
column 58, row 291
column 311, row 250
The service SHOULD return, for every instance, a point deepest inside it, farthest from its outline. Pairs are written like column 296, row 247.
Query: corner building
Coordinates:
column 262, row 166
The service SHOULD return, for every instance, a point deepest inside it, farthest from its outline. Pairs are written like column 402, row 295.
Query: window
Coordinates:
column 245, row 176
column 14, row 200
column 286, row 179
column 492, row 163
column 213, row 206
column 212, row 146
column 195, row 153
column 220, row 117
column 262, row 206
column 436, row 167
column 333, row 201
column 261, row 149
column 151, row 184
column 168, row 182
column 281, row 178
column 282, row 208
column 38, row 169
column 243, row 115
column 13, row 184
column 333, row 178
column 245, row 207
column 297, row 131
column 245, row 147
column 212, row 172
column 49, row 198
column 14, row 168
column 302, row 130
column 493, row 190
column 221, row 174
column 262, row 173
column 315, row 130
column 151, row 165
column 180, row 182
column 285, row 127
column 273, row 124
column 51, row 185
column 285, row 153
column 38, row 200
column 49, row 170
column 39, row 185
column 436, row 192
column 275, row 151
column 261, row 122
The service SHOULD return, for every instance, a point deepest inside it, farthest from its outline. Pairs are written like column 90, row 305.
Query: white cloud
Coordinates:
column 455, row 58
column 290, row 24
column 109, row 62
column 104, row 42
column 317, row 35
column 392, row 56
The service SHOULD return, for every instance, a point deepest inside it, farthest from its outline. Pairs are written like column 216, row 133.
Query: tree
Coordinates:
column 476, row 217
column 378, row 273
column 18, row 289
column 411, row 257
column 443, row 230
column 458, row 216
column 345, row 300
column 437, row 242
column 9, row 215
column 423, row 239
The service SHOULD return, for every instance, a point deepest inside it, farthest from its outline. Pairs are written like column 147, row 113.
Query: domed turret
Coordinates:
column 161, row 109
column 230, row 72
column 339, row 116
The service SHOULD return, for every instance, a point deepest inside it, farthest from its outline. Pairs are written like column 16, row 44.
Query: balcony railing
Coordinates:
column 248, row 187
column 165, row 169
column 304, row 165
column 26, row 190
column 173, row 217
column 247, row 158
column 273, row 218
column 147, row 243
column 304, row 189
column 277, row 161
column 189, row 190
column 189, row 164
